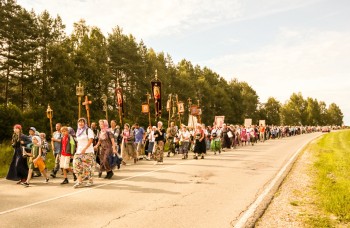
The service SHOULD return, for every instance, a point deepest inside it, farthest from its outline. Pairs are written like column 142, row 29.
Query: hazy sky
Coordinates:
column 277, row 46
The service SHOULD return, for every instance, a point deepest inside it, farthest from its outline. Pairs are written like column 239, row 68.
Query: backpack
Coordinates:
column 73, row 145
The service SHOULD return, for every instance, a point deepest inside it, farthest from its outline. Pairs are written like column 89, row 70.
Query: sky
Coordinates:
column 278, row 47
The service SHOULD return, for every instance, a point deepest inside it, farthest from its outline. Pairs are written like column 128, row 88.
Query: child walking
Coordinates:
column 35, row 160
column 67, row 151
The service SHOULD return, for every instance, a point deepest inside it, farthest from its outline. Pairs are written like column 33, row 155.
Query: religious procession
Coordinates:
column 99, row 149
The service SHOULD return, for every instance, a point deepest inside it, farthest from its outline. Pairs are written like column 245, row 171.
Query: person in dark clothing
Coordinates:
column 18, row 170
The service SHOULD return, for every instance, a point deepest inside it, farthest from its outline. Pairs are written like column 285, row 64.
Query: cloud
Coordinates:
column 151, row 18
column 141, row 18
column 313, row 62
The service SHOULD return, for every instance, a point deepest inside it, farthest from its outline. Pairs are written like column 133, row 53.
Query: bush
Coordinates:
column 36, row 118
column 9, row 116
column 6, row 154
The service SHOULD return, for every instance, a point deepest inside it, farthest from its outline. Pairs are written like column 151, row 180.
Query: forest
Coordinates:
column 41, row 65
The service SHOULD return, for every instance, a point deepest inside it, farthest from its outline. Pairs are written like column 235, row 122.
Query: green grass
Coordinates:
column 332, row 180
column 6, row 154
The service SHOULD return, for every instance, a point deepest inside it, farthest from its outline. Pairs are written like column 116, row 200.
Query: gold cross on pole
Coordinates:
column 86, row 103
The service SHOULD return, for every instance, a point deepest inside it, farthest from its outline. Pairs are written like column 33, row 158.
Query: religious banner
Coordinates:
column 120, row 99
column 181, row 107
column 145, row 108
column 262, row 122
column 248, row 122
column 219, row 121
column 194, row 110
column 192, row 121
column 168, row 105
column 156, row 93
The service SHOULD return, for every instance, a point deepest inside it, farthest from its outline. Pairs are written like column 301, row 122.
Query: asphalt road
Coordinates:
column 213, row 192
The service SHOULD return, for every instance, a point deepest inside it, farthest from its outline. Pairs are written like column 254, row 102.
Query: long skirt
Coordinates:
column 159, row 151
column 128, row 151
column 200, row 147
column 104, row 155
column 19, row 168
column 215, row 145
column 184, row 147
column 226, row 143
column 84, row 164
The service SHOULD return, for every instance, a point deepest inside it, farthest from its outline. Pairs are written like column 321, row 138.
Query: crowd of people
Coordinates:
column 105, row 148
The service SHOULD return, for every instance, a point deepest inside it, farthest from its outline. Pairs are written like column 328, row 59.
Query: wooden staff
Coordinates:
column 105, row 106
column 120, row 101
column 149, row 108
column 86, row 103
column 120, row 116
column 178, row 110
column 169, row 109
column 199, row 113
column 49, row 114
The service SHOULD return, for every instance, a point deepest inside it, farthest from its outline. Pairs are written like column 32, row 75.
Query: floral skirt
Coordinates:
column 84, row 164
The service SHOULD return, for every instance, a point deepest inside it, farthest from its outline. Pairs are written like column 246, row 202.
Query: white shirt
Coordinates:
column 151, row 137
column 185, row 136
column 82, row 141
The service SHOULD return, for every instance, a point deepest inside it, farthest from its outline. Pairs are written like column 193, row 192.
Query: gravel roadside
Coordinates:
column 291, row 202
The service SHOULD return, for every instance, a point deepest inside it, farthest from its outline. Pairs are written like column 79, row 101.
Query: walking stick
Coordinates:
column 49, row 114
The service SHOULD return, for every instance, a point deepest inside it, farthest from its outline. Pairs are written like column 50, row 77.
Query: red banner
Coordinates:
column 156, row 93
column 120, row 99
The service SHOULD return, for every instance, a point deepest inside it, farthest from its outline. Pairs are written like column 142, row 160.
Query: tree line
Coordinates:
column 40, row 64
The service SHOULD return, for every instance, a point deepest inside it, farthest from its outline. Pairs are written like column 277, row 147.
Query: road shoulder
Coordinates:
column 290, row 202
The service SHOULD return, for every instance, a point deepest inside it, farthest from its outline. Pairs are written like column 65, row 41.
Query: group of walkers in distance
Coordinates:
column 103, row 148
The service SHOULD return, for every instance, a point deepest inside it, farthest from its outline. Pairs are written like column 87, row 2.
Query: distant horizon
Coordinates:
column 278, row 48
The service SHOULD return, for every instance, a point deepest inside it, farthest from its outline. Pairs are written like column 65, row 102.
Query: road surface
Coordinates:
column 214, row 192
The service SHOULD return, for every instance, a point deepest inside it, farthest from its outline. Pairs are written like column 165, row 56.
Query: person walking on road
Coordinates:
column 84, row 158
column 18, row 170
column 56, row 138
column 184, row 136
column 107, row 148
column 159, row 143
column 128, row 148
column 68, row 147
column 35, row 160
column 199, row 146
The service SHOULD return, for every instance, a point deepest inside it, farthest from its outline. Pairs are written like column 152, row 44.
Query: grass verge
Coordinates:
column 6, row 154
column 331, row 180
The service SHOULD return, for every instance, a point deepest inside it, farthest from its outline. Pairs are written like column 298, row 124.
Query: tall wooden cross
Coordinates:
column 86, row 103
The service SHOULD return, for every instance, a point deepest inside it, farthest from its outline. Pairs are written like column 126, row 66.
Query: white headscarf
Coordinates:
column 38, row 139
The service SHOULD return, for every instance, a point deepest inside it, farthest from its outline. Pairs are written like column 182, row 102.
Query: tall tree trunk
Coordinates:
column 22, row 87
column 7, row 77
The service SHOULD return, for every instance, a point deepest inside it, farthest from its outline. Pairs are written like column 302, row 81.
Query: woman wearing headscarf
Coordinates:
column 84, row 157
column 199, row 146
column 128, row 147
column 18, row 170
column 35, row 160
column 107, row 148
column 159, row 143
